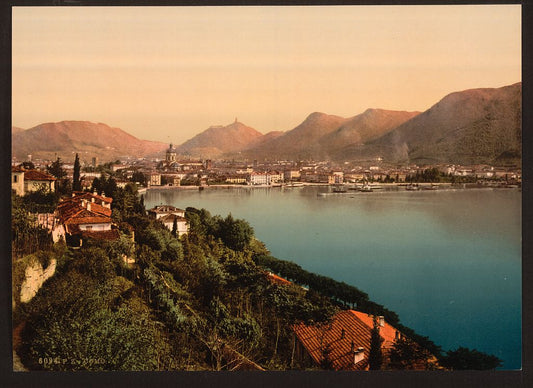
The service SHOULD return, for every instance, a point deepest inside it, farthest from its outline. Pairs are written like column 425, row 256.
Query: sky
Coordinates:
column 168, row 73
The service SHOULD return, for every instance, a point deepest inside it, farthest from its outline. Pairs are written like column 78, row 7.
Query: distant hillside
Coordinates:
column 217, row 140
column 88, row 139
column 265, row 139
column 321, row 136
column 302, row 142
column 467, row 127
column 363, row 128
column 472, row 126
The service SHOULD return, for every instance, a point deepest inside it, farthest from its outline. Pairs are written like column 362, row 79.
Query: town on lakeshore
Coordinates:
column 92, row 210
column 169, row 171
column 365, row 214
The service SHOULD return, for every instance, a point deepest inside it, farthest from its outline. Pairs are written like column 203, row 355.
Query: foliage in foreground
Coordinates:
column 199, row 302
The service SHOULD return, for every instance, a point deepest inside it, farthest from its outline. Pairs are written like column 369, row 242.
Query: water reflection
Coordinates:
column 448, row 261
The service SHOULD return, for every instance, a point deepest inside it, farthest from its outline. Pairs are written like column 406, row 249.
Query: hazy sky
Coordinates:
column 168, row 73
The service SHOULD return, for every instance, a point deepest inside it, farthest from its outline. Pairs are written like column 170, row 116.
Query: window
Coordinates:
column 89, row 227
column 15, row 178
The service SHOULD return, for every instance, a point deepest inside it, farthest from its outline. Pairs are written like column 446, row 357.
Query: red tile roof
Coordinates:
column 101, row 209
column 171, row 217
column 87, row 195
column 277, row 279
column 387, row 332
column 72, row 214
column 347, row 331
column 71, row 207
column 86, row 217
column 112, row 234
column 17, row 169
column 94, row 207
column 36, row 175
column 66, row 210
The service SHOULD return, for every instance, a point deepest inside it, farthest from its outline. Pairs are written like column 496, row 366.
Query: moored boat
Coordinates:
column 366, row 188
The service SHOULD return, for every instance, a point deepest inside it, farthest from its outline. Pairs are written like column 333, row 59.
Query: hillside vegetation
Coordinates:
column 203, row 301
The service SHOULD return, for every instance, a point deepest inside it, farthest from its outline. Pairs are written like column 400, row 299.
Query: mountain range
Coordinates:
column 471, row 126
column 65, row 138
column 218, row 140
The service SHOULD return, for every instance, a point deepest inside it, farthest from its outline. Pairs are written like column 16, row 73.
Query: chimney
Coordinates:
column 382, row 321
column 352, row 348
column 89, row 206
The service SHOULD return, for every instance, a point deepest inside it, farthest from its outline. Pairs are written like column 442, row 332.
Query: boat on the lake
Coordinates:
column 412, row 187
column 294, row 184
column 366, row 188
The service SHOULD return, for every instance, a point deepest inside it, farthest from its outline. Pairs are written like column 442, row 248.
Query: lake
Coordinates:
column 447, row 261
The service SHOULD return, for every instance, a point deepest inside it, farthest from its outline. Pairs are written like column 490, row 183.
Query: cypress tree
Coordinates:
column 175, row 227
column 76, row 182
column 375, row 357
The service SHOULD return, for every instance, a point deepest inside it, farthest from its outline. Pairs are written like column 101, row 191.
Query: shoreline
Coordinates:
column 440, row 185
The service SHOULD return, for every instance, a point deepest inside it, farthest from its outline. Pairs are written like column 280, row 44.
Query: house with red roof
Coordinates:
column 25, row 181
column 168, row 214
column 87, row 215
column 344, row 342
column 35, row 180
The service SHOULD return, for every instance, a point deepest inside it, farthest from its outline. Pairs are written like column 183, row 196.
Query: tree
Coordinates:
column 76, row 182
column 236, row 234
column 97, row 186
column 62, row 183
column 56, row 169
column 175, row 227
column 139, row 177
column 85, row 323
column 110, row 187
column 464, row 359
column 27, row 236
column 375, row 357
column 28, row 165
column 406, row 354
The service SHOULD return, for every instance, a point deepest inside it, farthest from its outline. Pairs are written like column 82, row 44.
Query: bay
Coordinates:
column 447, row 261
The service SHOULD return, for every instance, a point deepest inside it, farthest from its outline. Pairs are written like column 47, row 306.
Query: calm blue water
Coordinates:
column 447, row 261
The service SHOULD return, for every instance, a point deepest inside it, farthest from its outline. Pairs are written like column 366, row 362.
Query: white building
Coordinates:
column 163, row 210
column 168, row 215
column 259, row 178
column 17, row 180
